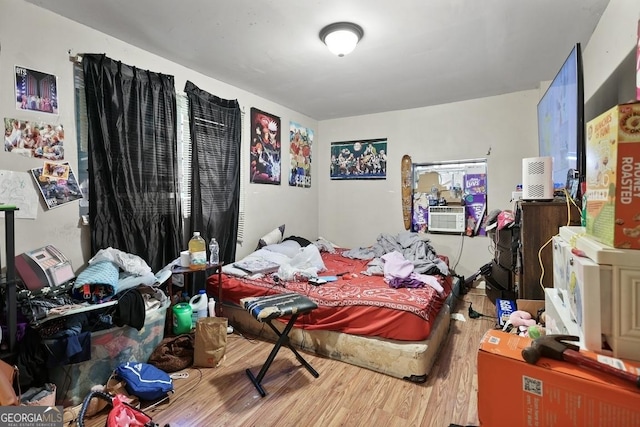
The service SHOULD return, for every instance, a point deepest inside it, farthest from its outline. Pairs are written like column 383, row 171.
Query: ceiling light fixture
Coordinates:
column 341, row 37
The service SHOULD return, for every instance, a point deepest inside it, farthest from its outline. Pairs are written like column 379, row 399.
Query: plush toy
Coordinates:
column 518, row 322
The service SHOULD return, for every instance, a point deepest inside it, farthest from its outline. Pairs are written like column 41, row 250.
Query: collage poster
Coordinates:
column 34, row 139
column 265, row 148
column 301, row 140
column 57, row 183
column 36, row 91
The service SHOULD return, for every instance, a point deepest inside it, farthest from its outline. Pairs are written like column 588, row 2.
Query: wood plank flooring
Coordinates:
column 343, row 395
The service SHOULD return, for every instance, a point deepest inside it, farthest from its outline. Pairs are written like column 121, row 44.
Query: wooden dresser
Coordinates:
column 539, row 222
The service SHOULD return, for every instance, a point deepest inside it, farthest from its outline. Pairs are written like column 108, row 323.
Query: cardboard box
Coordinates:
column 613, row 177
column 427, row 181
column 504, row 308
column 551, row 393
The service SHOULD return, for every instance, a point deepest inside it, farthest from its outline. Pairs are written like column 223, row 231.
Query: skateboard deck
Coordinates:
column 407, row 181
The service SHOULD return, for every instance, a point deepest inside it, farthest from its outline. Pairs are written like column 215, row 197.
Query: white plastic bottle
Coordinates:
column 214, row 251
column 197, row 252
column 212, row 307
column 198, row 305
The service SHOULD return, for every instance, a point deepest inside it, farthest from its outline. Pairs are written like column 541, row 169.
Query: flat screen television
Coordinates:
column 561, row 124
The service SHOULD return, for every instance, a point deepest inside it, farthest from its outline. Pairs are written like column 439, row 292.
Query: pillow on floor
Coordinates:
column 272, row 237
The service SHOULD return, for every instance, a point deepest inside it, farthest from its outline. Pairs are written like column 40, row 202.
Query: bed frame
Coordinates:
column 409, row 360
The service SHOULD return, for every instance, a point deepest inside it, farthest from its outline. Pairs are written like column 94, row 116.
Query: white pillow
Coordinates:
column 272, row 237
column 289, row 248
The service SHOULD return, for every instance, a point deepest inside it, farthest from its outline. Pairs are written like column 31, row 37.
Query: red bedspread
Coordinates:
column 362, row 305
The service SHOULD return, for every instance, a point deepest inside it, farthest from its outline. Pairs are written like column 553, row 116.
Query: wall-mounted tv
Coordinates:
column 561, row 123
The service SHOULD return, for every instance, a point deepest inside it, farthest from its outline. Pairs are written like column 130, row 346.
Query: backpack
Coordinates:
column 144, row 380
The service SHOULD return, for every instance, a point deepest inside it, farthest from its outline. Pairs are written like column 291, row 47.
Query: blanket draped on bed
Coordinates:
column 362, row 290
column 410, row 245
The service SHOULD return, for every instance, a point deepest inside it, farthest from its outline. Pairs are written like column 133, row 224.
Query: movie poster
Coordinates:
column 265, row 148
column 366, row 159
column 36, row 91
column 300, row 142
column 34, row 139
column 57, row 183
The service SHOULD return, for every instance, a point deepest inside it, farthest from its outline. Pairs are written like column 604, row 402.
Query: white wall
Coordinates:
column 353, row 213
column 47, row 49
column 349, row 213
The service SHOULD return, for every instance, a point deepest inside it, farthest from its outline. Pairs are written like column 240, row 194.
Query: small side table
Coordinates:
column 188, row 272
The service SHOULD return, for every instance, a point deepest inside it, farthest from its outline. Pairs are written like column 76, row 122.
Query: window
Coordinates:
column 461, row 183
column 184, row 153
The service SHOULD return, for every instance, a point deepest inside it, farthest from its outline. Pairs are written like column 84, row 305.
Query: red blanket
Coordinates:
column 360, row 304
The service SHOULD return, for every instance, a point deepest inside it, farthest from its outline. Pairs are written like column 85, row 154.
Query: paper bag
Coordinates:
column 210, row 341
column 8, row 374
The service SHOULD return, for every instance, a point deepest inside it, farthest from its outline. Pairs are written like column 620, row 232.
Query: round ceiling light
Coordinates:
column 341, row 37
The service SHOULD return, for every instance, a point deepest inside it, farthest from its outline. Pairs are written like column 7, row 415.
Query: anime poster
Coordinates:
column 57, row 190
column 365, row 159
column 300, row 142
column 265, row 148
column 34, row 139
column 36, row 91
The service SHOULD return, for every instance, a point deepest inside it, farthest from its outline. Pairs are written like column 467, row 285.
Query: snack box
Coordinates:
column 613, row 177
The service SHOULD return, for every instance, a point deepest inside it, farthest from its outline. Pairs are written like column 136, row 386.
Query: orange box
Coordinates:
column 613, row 177
column 552, row 393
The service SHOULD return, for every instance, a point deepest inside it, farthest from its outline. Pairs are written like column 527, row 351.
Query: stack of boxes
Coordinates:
column 597, row 295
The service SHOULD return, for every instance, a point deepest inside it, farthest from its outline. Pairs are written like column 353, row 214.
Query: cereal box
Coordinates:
column 613, row 177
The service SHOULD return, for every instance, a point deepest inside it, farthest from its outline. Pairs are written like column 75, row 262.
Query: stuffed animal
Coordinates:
column 519, row 318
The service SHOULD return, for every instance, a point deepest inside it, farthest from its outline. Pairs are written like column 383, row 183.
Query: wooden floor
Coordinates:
column 343, row 395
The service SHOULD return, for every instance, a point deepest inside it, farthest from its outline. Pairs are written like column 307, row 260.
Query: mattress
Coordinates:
column 408, row 360
column 356, row 304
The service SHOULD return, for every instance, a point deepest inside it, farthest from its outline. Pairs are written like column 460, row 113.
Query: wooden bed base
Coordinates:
column 409, row 360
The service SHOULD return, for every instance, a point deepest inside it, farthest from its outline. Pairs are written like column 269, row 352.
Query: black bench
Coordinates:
column 270, row 307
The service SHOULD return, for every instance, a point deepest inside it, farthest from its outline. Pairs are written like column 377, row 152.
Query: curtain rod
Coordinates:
column 75, row 58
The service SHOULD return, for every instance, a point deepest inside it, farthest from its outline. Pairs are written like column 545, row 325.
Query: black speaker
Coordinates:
column 499, row 284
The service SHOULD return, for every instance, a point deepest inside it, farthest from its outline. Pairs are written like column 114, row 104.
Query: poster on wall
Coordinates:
column 300, row 142
column 366, row 159
column 57, row 183
column 265, row 148
column 34, row 139
column 36, row 91
column 17, row 189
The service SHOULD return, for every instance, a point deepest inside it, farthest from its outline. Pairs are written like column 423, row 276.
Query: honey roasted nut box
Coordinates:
column 613, row 177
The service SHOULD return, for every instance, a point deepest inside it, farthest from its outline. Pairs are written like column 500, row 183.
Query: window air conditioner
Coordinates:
column 448, row 219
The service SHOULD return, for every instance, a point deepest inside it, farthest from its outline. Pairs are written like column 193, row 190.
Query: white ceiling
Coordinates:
column 414, row 53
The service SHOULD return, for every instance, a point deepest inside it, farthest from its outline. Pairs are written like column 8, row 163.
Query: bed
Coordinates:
column 361, row 318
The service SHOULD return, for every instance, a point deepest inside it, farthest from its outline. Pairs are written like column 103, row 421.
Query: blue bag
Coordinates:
column 144, row 380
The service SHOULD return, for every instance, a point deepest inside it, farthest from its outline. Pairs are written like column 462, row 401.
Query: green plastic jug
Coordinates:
column 182, row 318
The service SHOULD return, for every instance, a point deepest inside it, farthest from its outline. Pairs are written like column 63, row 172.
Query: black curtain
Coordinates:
column 215, row 125
column 133, row 167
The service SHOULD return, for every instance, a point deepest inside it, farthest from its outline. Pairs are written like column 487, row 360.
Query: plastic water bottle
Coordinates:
column 212, row 307
column 197, row 252
column 214, row 251
column 198, row 305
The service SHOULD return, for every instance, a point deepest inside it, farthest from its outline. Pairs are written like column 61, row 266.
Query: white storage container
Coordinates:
column 603, row 292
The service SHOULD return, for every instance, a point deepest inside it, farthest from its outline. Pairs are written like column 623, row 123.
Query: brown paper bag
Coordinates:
column 210, row 341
